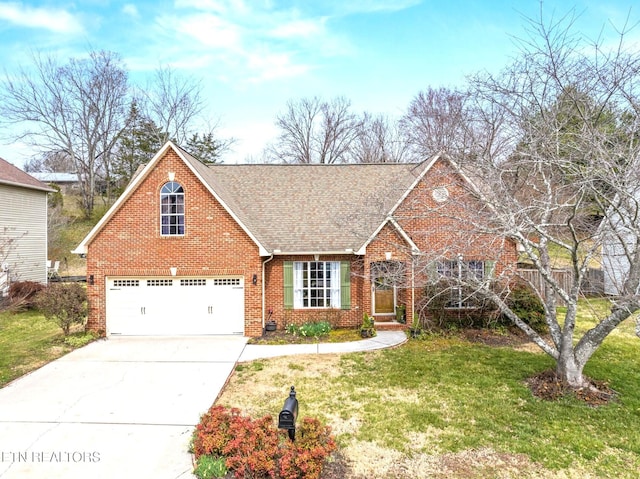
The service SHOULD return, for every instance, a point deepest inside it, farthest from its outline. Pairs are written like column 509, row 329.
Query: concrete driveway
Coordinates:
column 122, row 407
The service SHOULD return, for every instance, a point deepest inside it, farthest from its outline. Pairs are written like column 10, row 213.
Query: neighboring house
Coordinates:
column 620, row 235
column 68, row 182
column 220, row 249
column 23, row 225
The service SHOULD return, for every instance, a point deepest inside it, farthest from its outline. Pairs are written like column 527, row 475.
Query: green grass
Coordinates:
column 69, row 236
column 442, row 398
column 28, row 341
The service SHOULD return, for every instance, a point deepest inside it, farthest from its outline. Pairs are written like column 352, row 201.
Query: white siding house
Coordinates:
column 23, row 226
column 621, row 230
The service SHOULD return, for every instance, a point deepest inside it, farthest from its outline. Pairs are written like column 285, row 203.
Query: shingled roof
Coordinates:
column 310, row 208
column 297, row 209
column 12, row 175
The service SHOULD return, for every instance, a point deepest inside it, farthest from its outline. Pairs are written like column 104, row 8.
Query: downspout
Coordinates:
column 413, row 290
column 263, row 289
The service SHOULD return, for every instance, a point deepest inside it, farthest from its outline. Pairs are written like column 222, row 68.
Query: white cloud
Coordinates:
column 299, row 28
column 259, row 41
column 55, row 20
column 251, row 138
column 342, row 7
column 131, row 10
column 209, row 30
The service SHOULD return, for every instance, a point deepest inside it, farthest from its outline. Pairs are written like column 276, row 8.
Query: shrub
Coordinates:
column 305, row 457
column 254, row 448
column 80, row 339
column 63, row 303
column 524, row 302
column 55, row 199
column 437, row 312
column 311, row 329
column 22, row 294
column 367, row 328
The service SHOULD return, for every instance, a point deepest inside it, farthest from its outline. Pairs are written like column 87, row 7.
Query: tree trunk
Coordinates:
column 569, row 370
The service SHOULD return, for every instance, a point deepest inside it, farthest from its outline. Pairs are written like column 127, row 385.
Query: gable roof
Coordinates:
column 315, row 208
column 14, row 176
column 301, row 208
column 196, row 167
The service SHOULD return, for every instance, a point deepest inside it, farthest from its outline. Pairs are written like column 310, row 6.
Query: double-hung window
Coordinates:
column 462, row 275
column 172, row 209
column 317, row 284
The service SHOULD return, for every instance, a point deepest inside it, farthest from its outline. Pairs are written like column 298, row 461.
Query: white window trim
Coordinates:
column 171, row 215
column 298, row 286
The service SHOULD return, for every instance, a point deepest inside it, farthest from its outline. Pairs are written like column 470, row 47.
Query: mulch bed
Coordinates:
column 548, row 386
column 336, row 468
column 282, row 337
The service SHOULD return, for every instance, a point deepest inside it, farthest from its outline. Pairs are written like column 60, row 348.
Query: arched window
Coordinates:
column 172, row 209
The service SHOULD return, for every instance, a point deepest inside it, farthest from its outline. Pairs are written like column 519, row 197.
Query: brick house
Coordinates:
column 221, row 249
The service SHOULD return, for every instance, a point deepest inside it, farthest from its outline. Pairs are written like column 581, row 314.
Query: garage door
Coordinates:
column 175, row 306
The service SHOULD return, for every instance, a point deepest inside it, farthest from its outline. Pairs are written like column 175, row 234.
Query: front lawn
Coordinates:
column 447, row 407
column 28, row 341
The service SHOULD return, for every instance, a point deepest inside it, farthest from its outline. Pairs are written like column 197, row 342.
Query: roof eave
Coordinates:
column 277, row 252
column 46, row 189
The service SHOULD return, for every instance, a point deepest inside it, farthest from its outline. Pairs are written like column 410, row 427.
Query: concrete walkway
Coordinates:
column 126, row 407
column 384, row 339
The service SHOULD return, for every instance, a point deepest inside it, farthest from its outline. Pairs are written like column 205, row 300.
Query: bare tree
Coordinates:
column 172, row 102
column 564, row 158
column 436, row 120
column 53, row 161
column 379, row 140
column 313, row 130
column 78, row 108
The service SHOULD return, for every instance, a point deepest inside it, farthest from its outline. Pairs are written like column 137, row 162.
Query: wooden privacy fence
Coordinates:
column 593, row 284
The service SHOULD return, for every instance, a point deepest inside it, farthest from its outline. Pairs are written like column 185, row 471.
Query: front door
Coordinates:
column 384, row 279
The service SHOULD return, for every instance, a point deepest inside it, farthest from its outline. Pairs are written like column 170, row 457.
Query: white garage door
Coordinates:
column 175, row 306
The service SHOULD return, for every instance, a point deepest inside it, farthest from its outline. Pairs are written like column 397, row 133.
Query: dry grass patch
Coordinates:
column 447, row 407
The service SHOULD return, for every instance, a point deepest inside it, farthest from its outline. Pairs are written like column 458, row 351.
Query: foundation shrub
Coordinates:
column 524, row 302
column 254, row 448
column 63, row 303
column 436, row 311
column 22, row 295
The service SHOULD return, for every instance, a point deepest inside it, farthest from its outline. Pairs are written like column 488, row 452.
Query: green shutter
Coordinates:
column 489, row 269
column 345, row 285
column 288, row 285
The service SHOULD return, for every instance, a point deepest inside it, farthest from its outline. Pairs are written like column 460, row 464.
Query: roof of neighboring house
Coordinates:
column 296, row 209
column 12, row 175
column 55, row 177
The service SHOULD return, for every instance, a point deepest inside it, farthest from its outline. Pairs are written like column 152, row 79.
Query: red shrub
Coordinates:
column 304, row 457
column 256, row 449
column 212, row 433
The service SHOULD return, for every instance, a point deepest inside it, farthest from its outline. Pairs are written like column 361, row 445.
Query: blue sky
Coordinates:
column 253, row 56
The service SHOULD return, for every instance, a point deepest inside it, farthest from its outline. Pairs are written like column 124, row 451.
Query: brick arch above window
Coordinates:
column 172, row 217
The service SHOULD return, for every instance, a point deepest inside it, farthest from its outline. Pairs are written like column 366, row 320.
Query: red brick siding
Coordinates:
column 130, row 244
column 214, row 244
column 274, row 282
column 440, row 230
column 388, row 240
